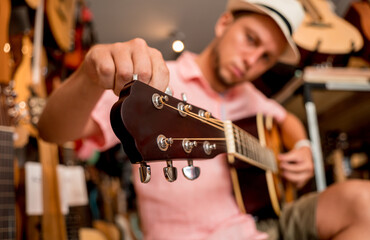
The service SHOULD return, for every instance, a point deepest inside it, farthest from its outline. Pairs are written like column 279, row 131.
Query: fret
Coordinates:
column 246, row 147
column 6, row 218
column 245, row 142
column 8, row 168
column 7, row 192
column 237, row 140
column 6, row 206
column 6, row 182
column 6, row 176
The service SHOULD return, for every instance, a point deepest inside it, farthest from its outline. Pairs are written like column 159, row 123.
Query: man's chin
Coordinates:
column 227, row 85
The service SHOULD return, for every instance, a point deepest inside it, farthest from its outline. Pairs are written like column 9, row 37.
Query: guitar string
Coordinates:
column 217, row 122
column 204, row 120
column 219, row 125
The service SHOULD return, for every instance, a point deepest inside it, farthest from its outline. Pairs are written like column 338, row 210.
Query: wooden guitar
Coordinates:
column 323, row 31
column 141, row 117
column 358, row 14
column 61, row 18
column 7, row 188
column 7, row 185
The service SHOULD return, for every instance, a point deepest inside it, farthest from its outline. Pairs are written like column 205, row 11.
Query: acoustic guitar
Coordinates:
column 61, row 18
column 359, row 15
column 139, row 120
column 324, row 32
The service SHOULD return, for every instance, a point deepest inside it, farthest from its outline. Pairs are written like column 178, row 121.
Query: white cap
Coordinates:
column 288, row 14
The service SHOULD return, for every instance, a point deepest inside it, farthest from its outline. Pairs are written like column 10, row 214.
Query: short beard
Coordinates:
column 215, row 64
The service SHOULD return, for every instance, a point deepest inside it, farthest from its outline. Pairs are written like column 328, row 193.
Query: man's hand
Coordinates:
column 67, row 114
column 297, row 166
column 111, row 66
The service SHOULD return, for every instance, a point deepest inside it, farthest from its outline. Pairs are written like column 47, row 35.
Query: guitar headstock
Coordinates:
column 7, row 104
column 154, row 126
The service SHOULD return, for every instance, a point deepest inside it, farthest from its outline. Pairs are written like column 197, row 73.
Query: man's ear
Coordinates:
column 222, row 23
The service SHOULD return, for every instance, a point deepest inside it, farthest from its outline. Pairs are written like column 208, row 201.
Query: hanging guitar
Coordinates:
column 323, row 35
column 61, row 20
column 141, row 117
column 358, row 14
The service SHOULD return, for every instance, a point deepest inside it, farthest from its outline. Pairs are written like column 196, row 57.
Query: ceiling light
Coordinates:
column 178, row 46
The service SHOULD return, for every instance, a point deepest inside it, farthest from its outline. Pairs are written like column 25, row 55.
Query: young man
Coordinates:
column 250, row 37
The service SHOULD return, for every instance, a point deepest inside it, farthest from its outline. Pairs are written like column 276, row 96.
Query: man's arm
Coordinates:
column 296, row 165
column 66, row 116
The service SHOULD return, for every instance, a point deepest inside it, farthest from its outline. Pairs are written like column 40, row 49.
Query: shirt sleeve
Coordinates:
column 268, row 106
column 101, row 115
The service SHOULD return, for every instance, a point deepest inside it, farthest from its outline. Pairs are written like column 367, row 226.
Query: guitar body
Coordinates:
column 260, row 192
column 61, row 18
column 358, row 14
column 323, row 31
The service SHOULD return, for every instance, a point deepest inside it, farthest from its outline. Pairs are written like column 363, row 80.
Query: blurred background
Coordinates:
column 44, row 41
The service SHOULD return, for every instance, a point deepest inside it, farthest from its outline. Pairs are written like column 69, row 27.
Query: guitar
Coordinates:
column 79, row 221
column 7, row 188
column 323, row 31
column 61, row 18
column 196, row 134
column 358, row 14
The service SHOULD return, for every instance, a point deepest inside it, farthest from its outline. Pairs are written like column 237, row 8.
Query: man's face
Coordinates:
column 245, row 48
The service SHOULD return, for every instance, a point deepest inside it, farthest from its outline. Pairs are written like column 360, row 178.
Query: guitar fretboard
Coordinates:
column 247, row 148
column 7, row 194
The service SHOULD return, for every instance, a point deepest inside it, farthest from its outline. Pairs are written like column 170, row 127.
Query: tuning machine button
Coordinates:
column 157, row 100
column 145, row 172
column 208, row 147
column 170, row 172
column 204, row 114
column 169, row 91
column 163, row 142
column 188, row 145
column 184, row 108
column 191, row 172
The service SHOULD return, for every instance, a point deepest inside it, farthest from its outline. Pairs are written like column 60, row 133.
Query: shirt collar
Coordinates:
column 190, row 71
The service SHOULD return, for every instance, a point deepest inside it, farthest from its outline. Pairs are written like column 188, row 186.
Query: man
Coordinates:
column 250, row 37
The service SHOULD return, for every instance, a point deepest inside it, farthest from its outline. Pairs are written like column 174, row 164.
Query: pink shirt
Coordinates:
column 204, row 208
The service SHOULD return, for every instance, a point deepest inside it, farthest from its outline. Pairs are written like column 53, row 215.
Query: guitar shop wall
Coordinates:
column 45, row 41
column 48, row 40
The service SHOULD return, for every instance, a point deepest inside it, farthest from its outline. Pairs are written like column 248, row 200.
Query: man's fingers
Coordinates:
column 114, row 68
column 121, row 55
column 160, row 76
column 298, row 179
column 100, row 66
column 142, row 61
column 294, row 167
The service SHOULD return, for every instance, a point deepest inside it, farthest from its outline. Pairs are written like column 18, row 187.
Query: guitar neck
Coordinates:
column 7, row 199
column 312, row 10
column 246, row 147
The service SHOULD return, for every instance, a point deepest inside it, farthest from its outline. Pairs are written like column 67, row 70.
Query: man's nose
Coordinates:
column 252, row 57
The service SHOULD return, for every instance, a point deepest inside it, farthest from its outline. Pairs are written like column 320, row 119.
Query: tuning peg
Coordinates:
column 170, row 172
column 188, row 145
column 145, row 172
column 169, row 91
column 191, row 172
column 184, row 97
